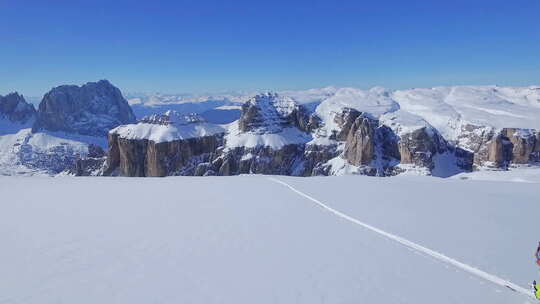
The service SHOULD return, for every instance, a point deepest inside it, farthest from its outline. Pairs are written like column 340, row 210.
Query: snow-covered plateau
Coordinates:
column 440, row 131
column 267, row 239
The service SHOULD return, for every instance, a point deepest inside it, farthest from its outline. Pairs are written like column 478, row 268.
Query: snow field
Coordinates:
column 246, row 239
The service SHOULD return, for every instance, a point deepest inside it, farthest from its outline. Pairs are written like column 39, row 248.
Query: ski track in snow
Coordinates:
column 419, row 248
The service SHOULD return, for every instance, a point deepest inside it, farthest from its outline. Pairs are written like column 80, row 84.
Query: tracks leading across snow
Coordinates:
column 439, row 256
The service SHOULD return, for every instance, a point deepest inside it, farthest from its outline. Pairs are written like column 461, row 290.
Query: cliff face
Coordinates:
column 264, row 115
column 350, row 132
column 92, row 109
column 512, row 146
column 271, row 137
column 148, row 158
column 269, row 113
column 189, row 141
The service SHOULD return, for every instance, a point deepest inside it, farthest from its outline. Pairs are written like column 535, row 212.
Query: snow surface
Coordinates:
column 446, row 108
column 522, row 173
column 277, row 140
column 412, row 245
column 165, row 133
column 247, row 239
column 25, row 153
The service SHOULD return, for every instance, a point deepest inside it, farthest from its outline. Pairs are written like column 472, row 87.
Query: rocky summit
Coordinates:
column 68, row 131
column 15, row 108
column 91, row 109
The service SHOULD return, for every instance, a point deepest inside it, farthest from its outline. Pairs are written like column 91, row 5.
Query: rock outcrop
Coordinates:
column 92, row 109
column 16, row 109
column 214, row 154
column 269, row 113
column 192, row 142
column 524, row 143
column 501, row 148
column 91, row 164
column 276, row 135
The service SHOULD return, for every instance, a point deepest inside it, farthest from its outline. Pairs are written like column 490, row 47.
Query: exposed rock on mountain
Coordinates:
column 92, row 164
column 270, row 137
column 65, row 134
column 360, row 147
column 509, row 146
column 162, row 145
column 375, row 132
column 16, row 109
column 439, row 131
column 92, row 109
column 269, row 113
column 523, row 144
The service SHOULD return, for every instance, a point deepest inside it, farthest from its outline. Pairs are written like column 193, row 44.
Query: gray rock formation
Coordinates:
column 16, row 109
column 142, row 157
column 358, row 139
column 523, row 144
column 345, row 119
column 92, row 109
column 269, row 113
column 208, row 155
column 501, row 148
column 419, row 147
column 90, row 165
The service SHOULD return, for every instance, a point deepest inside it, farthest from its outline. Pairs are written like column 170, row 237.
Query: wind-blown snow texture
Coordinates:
column 250, row 240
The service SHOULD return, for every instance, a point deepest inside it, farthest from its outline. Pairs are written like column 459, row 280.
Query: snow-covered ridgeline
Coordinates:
column 447, row 109
column 424, row 126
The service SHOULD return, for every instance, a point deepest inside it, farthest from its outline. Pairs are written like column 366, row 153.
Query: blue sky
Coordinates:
column 212, row 46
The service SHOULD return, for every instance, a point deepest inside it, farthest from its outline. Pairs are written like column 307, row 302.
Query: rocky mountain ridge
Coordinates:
column 277, row 135
column 69, row 127
column 331, row 131
column 91, row 109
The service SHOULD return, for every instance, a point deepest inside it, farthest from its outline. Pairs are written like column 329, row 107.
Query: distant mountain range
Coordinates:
column 93, row 130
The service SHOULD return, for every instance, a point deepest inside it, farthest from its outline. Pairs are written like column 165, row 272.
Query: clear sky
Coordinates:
column 213, row 46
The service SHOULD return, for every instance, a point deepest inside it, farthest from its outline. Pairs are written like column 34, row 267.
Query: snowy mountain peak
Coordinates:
column 91, row 109
column 266, row 113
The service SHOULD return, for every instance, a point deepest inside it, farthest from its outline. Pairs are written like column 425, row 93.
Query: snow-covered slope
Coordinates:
column 276, row 140
column 125, row 244
column 23, row 152
column 447, row 108
column 444, row 108
column 44, row 153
